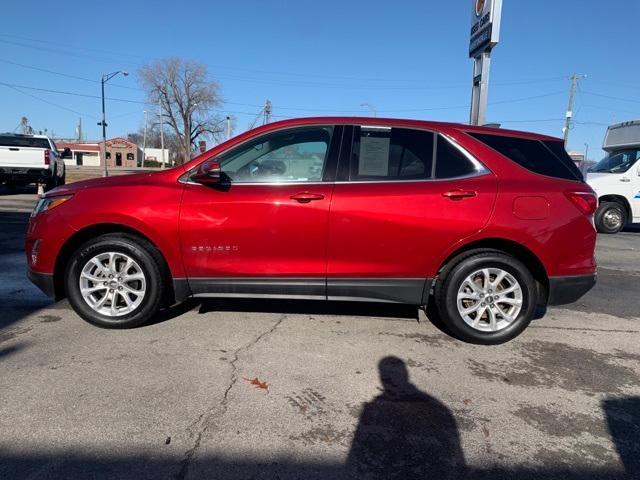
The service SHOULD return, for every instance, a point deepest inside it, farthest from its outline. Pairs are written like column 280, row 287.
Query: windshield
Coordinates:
column 617, row 162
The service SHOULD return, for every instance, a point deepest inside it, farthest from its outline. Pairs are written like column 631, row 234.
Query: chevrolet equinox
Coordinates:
column 484, row 224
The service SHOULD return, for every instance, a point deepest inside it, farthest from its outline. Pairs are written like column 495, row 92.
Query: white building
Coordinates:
column 155, row 155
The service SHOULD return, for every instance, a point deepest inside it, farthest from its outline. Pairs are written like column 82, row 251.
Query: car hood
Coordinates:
column 102, row 182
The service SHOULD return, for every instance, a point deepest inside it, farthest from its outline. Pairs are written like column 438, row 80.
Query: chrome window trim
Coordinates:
column 481, row 169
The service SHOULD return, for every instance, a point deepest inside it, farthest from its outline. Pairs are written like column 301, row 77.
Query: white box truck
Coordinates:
column 616, row 178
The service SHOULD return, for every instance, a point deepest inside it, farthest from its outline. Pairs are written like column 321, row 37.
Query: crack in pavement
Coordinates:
column 206, row 418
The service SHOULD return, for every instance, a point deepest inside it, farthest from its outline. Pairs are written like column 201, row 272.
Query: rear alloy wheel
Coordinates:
column 115, row 281
column 486, row 298
column 611, row 217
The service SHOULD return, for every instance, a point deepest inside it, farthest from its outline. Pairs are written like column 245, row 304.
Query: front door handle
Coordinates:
column 306, row 197
column 459, row 194
column 624, row 179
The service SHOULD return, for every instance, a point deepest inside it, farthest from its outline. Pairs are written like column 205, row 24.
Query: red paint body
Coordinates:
column 376, row 230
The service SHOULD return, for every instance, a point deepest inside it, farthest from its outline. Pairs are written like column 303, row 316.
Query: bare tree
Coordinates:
column 187, row 98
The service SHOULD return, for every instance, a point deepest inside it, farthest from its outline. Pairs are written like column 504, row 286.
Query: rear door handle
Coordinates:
column 459, row 194
column 306, row 197
column 623, row 179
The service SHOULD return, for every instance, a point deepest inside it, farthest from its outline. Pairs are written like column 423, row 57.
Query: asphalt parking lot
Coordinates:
column 265, row 389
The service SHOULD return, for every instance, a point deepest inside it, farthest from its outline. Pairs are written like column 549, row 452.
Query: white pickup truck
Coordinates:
column 616, row 178
column 28, row 159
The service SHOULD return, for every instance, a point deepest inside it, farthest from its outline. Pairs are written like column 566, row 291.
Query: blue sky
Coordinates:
column 406, row 58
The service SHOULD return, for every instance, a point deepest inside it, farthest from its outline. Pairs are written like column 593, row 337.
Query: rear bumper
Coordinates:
column 564, row 290
column 24, row 174
column 44, row 281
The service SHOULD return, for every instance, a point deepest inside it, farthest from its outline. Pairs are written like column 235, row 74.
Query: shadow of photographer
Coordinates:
column 405, row 432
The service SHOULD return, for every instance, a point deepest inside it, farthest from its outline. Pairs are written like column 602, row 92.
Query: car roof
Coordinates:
column 410, row 123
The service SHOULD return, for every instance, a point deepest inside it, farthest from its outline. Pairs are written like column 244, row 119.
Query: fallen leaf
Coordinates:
column 258, row 384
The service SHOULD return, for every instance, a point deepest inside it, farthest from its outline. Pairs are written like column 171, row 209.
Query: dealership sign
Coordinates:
column 485, row 25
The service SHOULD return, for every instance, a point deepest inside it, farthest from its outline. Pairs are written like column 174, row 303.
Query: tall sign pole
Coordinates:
column 485, row 33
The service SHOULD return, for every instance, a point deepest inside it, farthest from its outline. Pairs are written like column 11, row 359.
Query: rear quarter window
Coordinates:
column 547, row 158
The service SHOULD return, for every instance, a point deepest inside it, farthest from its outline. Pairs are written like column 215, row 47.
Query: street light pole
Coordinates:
column 161, row 131
column 105, row 79
column 144, row 139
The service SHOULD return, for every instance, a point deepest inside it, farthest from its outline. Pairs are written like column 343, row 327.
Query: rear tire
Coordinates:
column 51, row 182
column 105, row 270
column 486, row 313
column 611, row 217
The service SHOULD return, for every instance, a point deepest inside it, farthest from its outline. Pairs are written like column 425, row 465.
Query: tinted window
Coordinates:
column 382, row 153
column 291, row 156
column 532, row 155
column 558, row 150
column 451, row 162
column 11, row 141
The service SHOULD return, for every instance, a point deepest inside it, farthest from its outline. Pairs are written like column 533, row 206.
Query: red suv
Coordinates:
column 489, row 224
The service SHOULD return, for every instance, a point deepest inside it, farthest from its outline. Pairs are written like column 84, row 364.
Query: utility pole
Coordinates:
column 228, row 127
column 161, row 131
column 267, row 112
column 79, row 130
column 144, row 139
column 568, row 121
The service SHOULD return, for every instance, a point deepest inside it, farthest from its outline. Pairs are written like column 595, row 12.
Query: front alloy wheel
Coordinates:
column 113, row 284
column 116, row 281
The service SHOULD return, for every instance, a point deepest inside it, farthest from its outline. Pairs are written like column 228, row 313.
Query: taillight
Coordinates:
column 586, row 202
column 46, row 157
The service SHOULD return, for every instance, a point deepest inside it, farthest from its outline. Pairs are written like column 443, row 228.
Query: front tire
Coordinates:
column 115, row 281
column 486, row 297
column 611, row 217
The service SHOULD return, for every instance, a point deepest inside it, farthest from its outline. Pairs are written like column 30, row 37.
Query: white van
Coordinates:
column 616, row 178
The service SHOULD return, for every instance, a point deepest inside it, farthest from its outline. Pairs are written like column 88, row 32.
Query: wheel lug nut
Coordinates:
column 111, row 290
column 483, row 304
column 119, row 288
column 105, row 284
column 492, row 305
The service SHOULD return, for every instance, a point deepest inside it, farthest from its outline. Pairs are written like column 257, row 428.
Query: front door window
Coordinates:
column 291, row 156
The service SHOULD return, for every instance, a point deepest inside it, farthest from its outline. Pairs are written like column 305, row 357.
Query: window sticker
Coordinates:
column 374, row 156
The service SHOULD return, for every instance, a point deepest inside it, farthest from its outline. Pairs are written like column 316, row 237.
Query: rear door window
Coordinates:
column 383, row 153
column 545, row 158
column 26, row 142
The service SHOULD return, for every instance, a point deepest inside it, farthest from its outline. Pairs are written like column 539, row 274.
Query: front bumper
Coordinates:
column 44, row 281
column 564, row 290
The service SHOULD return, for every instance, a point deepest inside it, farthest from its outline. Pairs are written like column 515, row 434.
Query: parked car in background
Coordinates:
column 616, row 178
column 485, row 224
column 26, row 159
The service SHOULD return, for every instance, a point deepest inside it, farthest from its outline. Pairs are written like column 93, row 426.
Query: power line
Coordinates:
column 630, row 100
column 67, row 75
column 421, row 86
column 47, row 101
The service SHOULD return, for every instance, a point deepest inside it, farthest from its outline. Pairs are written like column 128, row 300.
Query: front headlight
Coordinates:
column 47, row 203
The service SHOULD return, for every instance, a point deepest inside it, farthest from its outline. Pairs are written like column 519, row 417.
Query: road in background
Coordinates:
column 267, row 389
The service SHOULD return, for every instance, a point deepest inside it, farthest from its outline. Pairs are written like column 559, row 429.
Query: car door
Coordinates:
column 402, row 198
column 263, row 230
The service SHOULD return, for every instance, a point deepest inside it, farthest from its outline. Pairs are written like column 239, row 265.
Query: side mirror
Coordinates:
column 208, row 173
column 66, row 153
